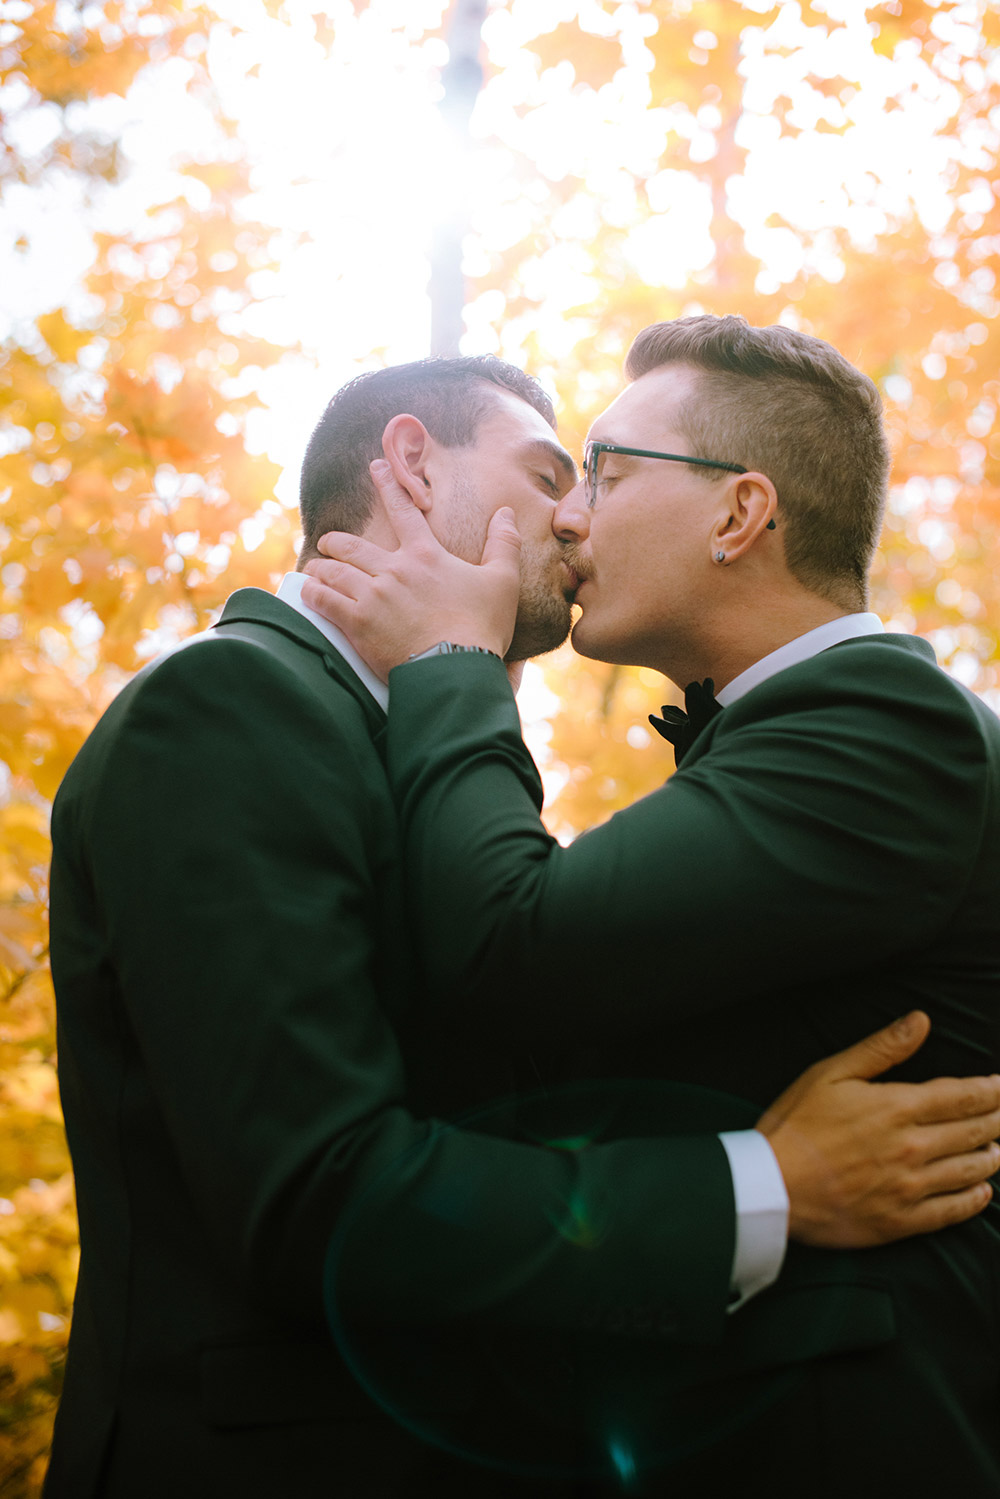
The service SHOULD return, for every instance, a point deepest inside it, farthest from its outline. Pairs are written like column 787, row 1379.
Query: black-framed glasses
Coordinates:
column 594, row 451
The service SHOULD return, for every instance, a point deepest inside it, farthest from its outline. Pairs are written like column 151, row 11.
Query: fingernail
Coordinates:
column 903, row 1028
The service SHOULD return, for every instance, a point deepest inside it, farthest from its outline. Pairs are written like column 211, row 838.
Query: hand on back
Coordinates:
column 867, row 1163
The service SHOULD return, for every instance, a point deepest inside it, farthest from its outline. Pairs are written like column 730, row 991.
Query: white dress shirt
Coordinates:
column 761, row 1200
column 290, row 592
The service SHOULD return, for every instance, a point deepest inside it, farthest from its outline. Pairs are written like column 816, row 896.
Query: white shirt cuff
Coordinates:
column 761, row 1213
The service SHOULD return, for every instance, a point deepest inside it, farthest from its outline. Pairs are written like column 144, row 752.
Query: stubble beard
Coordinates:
column 543, row 613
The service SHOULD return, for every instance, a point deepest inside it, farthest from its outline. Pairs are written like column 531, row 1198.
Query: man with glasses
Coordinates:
column 828, row 853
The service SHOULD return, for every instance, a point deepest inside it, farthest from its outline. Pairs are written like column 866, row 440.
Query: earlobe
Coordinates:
column 752, row 500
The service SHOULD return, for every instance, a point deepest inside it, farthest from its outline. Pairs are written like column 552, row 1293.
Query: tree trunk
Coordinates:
column 462, row 79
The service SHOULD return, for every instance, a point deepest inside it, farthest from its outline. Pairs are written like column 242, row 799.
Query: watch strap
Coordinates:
column 450, row 648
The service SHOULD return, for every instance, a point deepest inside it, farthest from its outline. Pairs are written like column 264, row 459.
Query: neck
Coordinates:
column 730, row 645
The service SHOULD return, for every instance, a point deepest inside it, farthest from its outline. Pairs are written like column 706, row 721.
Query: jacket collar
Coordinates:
column 886, row 641
column 255, row 606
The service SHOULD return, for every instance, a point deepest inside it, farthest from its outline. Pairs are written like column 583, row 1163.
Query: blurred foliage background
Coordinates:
column 174, row 270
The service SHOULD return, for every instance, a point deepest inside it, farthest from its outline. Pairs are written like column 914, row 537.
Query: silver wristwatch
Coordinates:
column 449, row 648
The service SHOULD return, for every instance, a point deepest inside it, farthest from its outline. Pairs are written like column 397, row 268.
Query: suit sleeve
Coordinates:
column 232, row 842
column 832, row 823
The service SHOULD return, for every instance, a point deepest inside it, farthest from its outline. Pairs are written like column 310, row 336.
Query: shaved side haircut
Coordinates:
column 789, row 406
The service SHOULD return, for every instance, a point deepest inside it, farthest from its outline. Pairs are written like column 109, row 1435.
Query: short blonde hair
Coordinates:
column 791, row 407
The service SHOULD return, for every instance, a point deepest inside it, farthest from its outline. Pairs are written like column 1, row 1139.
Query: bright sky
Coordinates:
column 352, row 162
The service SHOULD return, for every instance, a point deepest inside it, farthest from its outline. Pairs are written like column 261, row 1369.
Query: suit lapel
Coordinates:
column 254, row 606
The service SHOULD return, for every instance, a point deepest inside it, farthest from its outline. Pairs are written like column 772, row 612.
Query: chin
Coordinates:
column 597, row 647
column 542, row 626
column 584, row 643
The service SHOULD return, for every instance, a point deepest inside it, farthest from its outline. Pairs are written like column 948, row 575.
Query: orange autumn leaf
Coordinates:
column 595, row 58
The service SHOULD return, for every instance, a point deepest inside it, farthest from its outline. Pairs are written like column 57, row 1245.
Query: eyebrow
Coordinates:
column 552, row 450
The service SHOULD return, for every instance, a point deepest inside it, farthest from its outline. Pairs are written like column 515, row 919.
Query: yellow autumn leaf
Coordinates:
column 62, row 337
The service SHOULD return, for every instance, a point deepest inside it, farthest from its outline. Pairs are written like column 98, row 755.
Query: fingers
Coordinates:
column 938, row 1212
column 887, row 1048
column 324, row 577
column 408, row 522
column 957, row 1136
column 956, row 1172
column 865, row 1059
column 945, row 1098
column 344, row 546
column 406, row 519
column 331, row 589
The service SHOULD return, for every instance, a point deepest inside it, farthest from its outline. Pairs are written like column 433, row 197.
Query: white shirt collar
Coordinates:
column 848, row 627
column 290, row 593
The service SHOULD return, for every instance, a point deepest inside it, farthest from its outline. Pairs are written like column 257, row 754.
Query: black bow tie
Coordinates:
column 682, row 728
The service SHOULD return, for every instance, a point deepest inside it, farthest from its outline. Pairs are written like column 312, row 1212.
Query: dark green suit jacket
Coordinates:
column 248, row 1069
column 827, row 858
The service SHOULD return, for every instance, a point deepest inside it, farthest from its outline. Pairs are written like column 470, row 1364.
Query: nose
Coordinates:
column 571, row 518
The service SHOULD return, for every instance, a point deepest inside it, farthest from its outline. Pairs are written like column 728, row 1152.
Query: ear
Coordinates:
column 745, row 514
column 407, row 445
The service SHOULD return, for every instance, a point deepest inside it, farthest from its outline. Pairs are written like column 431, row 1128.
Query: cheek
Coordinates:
column 535, row 518
column 606, row 547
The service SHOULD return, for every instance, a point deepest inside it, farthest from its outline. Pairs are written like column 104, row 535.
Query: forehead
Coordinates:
column 645, row 414
column 510, row 420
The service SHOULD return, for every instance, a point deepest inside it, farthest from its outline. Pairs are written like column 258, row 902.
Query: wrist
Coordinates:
column 798, row 1168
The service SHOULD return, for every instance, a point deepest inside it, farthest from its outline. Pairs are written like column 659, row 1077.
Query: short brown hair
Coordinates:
column 450, row 397
column 791, row 407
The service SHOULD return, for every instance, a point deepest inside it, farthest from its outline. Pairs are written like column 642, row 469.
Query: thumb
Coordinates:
column 886, row 1048
column 503, row 541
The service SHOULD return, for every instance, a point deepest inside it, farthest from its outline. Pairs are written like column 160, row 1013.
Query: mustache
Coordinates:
column 572, row 556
